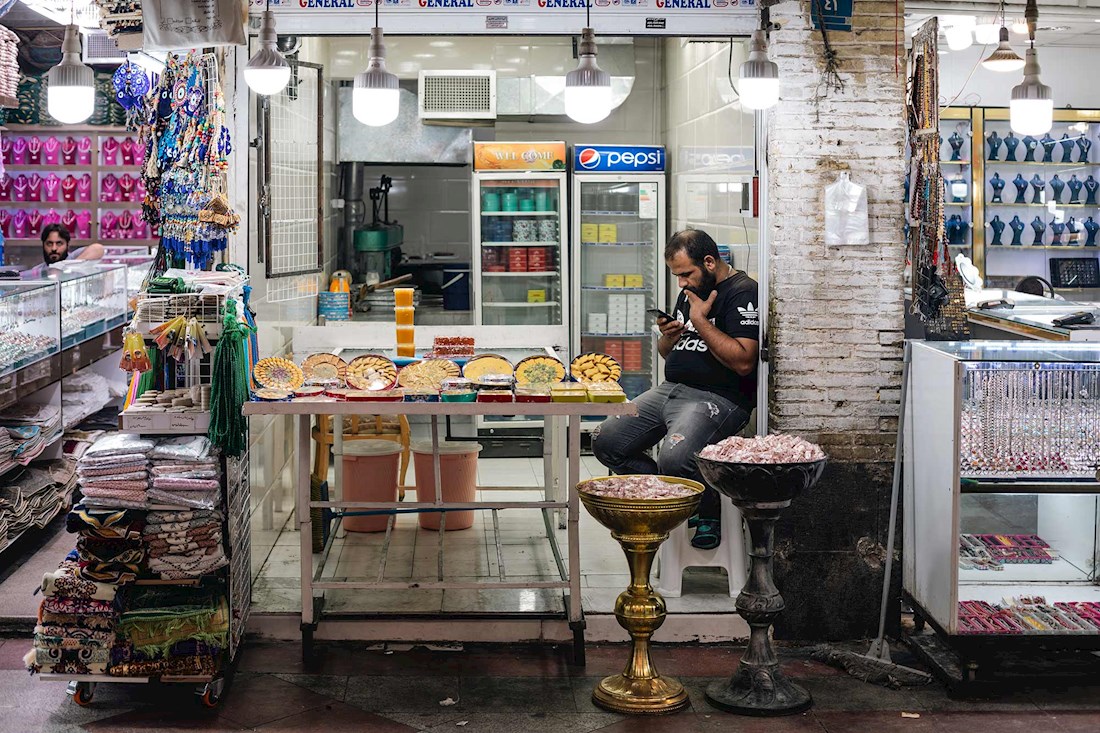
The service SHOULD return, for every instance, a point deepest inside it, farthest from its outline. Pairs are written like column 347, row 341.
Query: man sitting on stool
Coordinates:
column 709, row 392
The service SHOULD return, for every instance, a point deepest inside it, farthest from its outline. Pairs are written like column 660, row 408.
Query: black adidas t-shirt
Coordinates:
column 691, row 362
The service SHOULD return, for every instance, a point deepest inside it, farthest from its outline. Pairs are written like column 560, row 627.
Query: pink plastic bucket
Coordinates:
column 458, row 466
column 370, row 474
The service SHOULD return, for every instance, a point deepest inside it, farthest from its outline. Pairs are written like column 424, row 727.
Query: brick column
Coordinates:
column 836, row 316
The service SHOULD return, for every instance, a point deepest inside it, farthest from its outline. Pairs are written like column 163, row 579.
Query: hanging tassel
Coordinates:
column 253, row 337
column 229, row 388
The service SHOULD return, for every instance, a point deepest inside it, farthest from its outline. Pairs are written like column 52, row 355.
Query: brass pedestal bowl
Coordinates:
column 761, row 491
column 640, row 526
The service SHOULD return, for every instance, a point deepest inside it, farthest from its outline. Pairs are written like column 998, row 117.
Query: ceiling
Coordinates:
column 1062, row 23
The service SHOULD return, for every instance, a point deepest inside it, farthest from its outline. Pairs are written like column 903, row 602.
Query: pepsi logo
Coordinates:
column 588, row 158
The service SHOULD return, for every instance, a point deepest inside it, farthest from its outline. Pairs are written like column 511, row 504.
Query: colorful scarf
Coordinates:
column 124, row 652
column 88, row 660
column 90, row 622
column 180, row 666
column 158, row 618
column 64, row 582
column 74, row 633
column 61, row 604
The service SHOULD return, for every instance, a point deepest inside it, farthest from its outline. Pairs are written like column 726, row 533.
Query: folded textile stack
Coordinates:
column 30, row 499
column 185, row 472
column 114, row 471
column 9, row 63
column 184, row 544
column 7, row 452
column 171, row 630
column 32, row 427
column 110, row 549
column 76, row 623
column 83, row 395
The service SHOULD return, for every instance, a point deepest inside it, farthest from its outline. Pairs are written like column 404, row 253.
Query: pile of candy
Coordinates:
column 775, row 448
column 1028, row 615
column 637, row 487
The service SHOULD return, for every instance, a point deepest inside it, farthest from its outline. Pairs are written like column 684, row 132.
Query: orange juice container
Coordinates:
column 403, row 297
column 404, row 315
column 406, row 350
column 405, row 335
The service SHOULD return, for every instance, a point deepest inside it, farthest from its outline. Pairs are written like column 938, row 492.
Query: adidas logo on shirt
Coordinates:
column 749, row 315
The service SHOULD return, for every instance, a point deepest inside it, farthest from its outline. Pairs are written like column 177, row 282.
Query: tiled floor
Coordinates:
column 469, row 554
column 509, row 690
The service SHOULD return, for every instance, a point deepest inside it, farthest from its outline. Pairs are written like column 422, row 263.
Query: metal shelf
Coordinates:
column 548, row 273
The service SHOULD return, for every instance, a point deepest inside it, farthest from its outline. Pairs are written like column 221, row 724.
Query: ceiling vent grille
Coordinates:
column 458, row 95
column 101, row 49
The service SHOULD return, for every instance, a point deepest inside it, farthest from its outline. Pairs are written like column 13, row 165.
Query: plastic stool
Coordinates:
column 676, row 554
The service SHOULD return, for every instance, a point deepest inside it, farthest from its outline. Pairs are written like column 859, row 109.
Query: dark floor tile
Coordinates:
column 582, row 694
column 1017, row 722
column 603, row 659
column 1077, row 722
column 848, row 693
column 1070, row 697
column 353, row 660
column 402, row 694
column 517, row 694
column 717, row 722
column 257, row 656
column 190, row 717
column 934, row 697
column 529, row 723
column 521, row 662
column 337, row 718
column 693, row 661
column 331, row 686
column 426, row 721
column 258, row 699
column 805, row 667
column 866, row 721
column 29, row 703
column 12, row 651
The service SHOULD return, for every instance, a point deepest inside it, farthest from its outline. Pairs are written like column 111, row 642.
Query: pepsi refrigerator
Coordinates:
column 618, row 238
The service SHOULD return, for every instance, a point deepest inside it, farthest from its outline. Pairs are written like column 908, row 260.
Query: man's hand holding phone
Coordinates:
column 670, row 329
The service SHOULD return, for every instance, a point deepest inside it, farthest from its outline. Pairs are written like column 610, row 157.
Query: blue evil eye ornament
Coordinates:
column 131, row 85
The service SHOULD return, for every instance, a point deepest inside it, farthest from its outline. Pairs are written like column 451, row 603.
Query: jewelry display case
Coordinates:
column 93, row 300
column 87, row 178
column 29, row 328
column 1034, row 201
column 1002, row 447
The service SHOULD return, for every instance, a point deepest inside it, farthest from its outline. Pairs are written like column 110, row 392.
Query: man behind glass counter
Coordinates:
column 55, row 249
column 710, row 349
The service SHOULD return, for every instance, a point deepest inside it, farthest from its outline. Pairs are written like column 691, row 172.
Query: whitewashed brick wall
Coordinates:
column 837, row 312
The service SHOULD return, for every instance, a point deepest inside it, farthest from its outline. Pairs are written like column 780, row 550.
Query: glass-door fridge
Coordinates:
column 618, row 228
column 520, row 260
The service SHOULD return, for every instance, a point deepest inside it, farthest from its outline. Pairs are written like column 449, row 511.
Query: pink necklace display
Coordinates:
column 128, row 151
column 68, row 220
column 84, row 224
column 51, row 187
column 5, row 150
column 126, row 185
column 109, row 188
column 5, row 187
column 110, row 151
column 34, row 151
column 126, row 225
column 107, row 226
column 19, row 152
column 68, row 188
column 51, row 217
column 51, row 150
column 19, row 225
column 84, row 149
column 5, row 223
column 34, row 187
column 84, row 187
column 34, row 223
column 19, row 188
column 68, row 152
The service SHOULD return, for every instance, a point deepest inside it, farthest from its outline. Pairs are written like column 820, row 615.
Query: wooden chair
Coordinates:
column 361, row 427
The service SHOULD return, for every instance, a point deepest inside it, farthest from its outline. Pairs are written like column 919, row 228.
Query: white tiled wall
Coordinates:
column 702, row 112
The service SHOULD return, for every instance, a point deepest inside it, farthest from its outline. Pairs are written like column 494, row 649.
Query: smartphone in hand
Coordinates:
column 659, row 314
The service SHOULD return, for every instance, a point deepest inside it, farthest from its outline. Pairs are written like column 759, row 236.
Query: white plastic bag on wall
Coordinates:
column 845, row 212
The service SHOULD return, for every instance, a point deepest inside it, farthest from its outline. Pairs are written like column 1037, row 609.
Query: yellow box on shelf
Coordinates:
column 614, row 281
column 536, row 296
column 634, row 281
column 590, row 232
column 609, row 233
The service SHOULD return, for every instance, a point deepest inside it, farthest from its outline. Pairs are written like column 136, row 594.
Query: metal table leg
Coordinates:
column 305, row 536
column 576, row 613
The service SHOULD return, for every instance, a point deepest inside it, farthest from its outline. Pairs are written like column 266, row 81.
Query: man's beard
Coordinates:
column 710, row 281
column 52, row 257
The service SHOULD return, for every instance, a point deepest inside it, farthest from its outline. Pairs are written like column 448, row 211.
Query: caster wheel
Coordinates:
column 210, row 695
column 83, row 693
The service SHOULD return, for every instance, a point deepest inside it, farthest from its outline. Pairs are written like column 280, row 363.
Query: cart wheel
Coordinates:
column 83, row 692
column 211, row 693
column 918, row 623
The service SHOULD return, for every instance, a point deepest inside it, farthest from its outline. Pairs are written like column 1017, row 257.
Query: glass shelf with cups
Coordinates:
column 93, row 300
column 29, row 327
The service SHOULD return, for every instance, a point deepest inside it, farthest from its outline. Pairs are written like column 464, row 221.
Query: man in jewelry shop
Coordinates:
column 55, row 249
column 710, row 348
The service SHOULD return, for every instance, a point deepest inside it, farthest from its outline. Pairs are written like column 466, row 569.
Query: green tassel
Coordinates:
column 228, row 388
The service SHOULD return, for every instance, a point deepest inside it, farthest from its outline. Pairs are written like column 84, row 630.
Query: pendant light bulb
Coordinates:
column 958, row 38
column 70, row 90
column 758, row 78
column 1031, row 109
column 985, row 33
column 587, row 87
column 1003, row 57
column 376, row 96
column 267, row 71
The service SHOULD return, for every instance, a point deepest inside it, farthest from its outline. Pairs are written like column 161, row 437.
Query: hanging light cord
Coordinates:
column 376, row 4
column 588, row 14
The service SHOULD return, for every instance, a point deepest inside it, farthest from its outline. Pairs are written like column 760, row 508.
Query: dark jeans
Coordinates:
column 683, row 420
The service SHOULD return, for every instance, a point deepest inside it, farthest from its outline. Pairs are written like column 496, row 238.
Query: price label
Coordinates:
column 139, row 422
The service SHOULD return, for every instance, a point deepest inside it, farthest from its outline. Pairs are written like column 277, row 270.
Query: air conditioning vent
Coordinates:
column 100, row 49
column 458, row 95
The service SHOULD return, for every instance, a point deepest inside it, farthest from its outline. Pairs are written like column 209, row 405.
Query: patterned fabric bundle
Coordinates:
column 75, row 630
column 184, row 544
column 190, row 657
column 110, row 561
column 108, row 524
column 157, row 618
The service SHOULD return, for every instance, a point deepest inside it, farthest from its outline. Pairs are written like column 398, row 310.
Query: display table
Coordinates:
column 555, row 499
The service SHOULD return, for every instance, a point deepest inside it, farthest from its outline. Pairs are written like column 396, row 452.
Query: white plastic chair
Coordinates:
column 677, row 554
